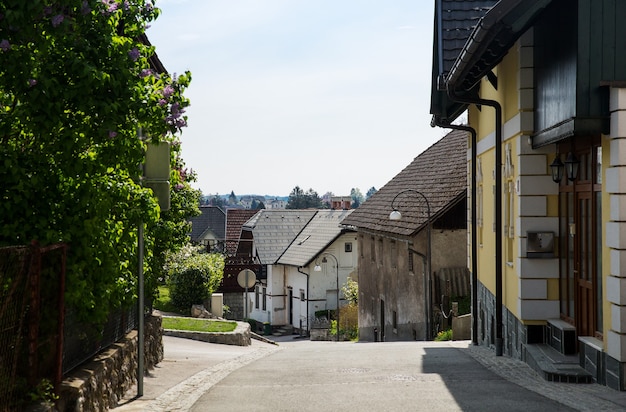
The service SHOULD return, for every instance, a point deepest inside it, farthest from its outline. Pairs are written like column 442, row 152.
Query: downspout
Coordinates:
column 498, row 195
column 307, row 298
column 474, row 252
column 427, row 301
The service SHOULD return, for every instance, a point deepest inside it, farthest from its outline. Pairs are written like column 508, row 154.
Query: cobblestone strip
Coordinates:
column 184, row 395
column 582, row 397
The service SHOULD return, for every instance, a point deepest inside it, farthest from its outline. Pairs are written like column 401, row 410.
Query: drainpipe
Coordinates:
column 474, row 252
column 307, row 298
column 427, row 301
column 498, row 223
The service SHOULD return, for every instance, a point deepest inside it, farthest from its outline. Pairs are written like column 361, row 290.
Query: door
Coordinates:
column 382, row 320
column 583, row 266
column 581, row 244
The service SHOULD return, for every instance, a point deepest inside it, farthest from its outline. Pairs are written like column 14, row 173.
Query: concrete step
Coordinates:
column 554, row 366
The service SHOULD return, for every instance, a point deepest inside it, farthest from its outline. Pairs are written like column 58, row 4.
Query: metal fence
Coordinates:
column 32, row 283
column 39, row 337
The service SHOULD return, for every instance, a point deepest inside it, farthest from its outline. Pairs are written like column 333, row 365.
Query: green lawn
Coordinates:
column 198, row 325
column 164, row 303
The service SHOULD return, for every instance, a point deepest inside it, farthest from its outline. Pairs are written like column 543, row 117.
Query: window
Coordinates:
column 410, row 261
column 256, row 297
column 302, row 295
column 373, row 248
column 264, row 298
column 394, row 321
column 347, row 247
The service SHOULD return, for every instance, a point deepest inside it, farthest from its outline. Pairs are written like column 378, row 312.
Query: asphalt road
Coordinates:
column 390, row 376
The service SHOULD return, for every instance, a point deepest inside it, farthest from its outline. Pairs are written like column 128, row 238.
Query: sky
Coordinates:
column 327, row 95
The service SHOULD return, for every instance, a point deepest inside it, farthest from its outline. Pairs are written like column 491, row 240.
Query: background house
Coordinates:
column 324, row 242
column 271, row 232
column 392, row 294
column 208, row 229
column 543, row 82
column 238, row 251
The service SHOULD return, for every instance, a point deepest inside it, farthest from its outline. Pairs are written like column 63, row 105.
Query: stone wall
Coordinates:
column 99, row 384
column 236, row 305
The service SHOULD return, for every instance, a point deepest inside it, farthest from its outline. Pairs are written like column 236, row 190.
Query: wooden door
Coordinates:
column 583, row 266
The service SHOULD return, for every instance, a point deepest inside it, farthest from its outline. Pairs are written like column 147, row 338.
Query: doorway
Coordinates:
column 580, row 244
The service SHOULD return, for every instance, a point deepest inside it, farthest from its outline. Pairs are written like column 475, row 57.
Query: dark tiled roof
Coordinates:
column 320, row 232
column 440, row 173
column 211, row 218
column 274, row 230
column 457, row 20
column 235, row 219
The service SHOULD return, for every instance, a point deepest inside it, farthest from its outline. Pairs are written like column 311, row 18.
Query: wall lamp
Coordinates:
column 570, row 168
column 396, row 215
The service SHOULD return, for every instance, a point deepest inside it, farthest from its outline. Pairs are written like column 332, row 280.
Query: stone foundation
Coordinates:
column 99, row 384
column 240, row 336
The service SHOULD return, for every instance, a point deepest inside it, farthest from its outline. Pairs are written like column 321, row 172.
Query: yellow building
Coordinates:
column 544, row 86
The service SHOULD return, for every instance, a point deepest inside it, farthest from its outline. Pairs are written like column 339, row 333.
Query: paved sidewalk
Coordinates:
column 191, row 368
column 582, row 397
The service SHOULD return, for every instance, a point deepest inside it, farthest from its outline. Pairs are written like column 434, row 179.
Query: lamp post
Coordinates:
column 396, row 215
column 318, row 268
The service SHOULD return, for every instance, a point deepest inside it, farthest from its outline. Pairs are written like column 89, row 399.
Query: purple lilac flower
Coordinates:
column 162, row 102
column 126, row 5
column 32, row 82
column 179, row 186
column 47, row 10
column 58, row 19
column 168, row 91
column 134, row 54
column 5, row 45
column 112, row 134
column 145, row 73
column 111, row 5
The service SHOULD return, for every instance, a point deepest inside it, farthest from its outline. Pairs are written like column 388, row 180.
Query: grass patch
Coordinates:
column 198, row 325
column 164, row 303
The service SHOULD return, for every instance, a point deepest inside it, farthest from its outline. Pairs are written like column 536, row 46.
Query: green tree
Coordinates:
column 232, row 199
column 193, row 276
column 298, row 199
column 370, row 192
column 78, row 79
column 357, row 197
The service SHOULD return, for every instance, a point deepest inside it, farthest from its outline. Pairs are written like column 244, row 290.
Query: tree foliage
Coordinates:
column 370, row 192
column 193, row 276
column 357, row 197
column 350, row 290
column 76, row 83
column 298, row 199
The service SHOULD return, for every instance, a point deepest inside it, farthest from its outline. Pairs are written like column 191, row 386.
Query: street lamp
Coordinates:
column 318, row 268
column 396, row 215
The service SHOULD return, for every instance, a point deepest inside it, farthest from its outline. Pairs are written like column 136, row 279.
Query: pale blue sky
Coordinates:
column 326, row 94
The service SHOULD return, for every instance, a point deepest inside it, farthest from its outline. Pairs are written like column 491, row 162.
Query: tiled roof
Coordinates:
column 211, row 218
column 274, row 230
column 440, row 173
column 457, row 20
column 235, row 219
column 320, row 232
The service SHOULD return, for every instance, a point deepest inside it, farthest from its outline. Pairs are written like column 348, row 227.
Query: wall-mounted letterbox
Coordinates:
column 540, row 244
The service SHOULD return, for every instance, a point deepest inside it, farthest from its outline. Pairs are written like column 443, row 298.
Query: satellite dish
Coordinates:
column 246, row 278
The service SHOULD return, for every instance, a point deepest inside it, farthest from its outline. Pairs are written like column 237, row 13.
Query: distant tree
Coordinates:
column 326, row 199
column 260, row 205
column 313, row 200
column 370, row 192
column 216, row 200
column 357, row 197
column 298, row 199
column 232, row 199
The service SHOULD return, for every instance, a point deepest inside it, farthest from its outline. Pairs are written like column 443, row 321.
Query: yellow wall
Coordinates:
column 484, row 122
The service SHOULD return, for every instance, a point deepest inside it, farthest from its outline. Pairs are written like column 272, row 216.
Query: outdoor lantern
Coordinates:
column 571, row 166
column 557, row 167
column 395, row 215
